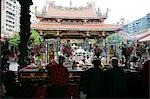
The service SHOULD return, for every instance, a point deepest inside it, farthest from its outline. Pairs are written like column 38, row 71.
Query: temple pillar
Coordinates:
column 57, row 43
column 104, row 37
column 86, row 41
column 24, row 31
column 46, row 52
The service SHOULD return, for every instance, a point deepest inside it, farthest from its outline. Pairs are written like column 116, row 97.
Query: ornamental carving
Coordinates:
column 89, row 5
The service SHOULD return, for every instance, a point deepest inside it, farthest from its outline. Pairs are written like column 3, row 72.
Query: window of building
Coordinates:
column 10, row 8
column 10, row 13
column 10, row 26
column 9, row 29
column 10, row 21
column 148, row 18
column 9, row 4
column 10, row 17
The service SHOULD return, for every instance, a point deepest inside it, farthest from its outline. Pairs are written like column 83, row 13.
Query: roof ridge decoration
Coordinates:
column 88, row 11
column 88, row 6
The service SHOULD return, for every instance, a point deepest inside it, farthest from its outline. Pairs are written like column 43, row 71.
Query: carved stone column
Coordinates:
column 24, row 31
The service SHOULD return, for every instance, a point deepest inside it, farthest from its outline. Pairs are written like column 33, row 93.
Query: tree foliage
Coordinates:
column 15, row 40
column 35, row 39
column 115, row 38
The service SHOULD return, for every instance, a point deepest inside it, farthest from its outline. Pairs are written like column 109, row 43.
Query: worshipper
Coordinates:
column 51, row 63
column 6, row 78
column 4, row 67
column 5, row 60
column 115, row 80
column 97, row 51
column 122, row 61
column 111, row 51
column 92, row 81
column 59, row 78
column 144, row 73
column 5, row 64
column 124, row 50
column 103, row 61
column 125, row 54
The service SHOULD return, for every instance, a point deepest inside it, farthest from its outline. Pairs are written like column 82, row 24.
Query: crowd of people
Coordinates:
column 109, row 84
column 95, row 81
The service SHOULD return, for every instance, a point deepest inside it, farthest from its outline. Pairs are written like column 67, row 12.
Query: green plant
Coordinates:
column 35, row 39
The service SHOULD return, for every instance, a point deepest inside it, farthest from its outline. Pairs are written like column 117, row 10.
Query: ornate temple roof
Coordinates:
column 54, row 11
column 91, row 27
column 88, row 19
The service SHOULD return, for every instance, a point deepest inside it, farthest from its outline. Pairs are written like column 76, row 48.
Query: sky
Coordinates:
column 130, row 10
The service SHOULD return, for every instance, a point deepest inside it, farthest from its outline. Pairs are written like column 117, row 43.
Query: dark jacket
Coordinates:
column 4, row 64
column 144, row 73
column 93, row 83
column 115, row 83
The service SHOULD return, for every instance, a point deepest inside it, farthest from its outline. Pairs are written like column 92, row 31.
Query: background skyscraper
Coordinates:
column 10, row 17
column 138, row 25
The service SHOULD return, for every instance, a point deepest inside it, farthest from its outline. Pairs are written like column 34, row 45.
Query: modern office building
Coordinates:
column 138, row 25
column 10, row 17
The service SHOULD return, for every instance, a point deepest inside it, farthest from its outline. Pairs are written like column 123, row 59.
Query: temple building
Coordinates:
column 73, row 23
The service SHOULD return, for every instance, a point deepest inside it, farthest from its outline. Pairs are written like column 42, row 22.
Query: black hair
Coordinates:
column 96, row 62
column 115, row 62
column 61, row 58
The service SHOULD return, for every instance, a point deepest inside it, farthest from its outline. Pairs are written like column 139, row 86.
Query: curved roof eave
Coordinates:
column 80, row 29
